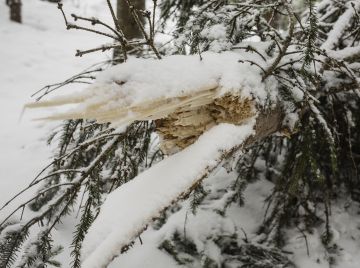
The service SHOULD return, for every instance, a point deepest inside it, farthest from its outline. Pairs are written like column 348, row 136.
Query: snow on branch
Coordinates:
column 143, row 89
column 217, row 97
column 340, row 25
column 127, row 211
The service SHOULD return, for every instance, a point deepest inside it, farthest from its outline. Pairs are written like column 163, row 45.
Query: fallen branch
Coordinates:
column 158, row 190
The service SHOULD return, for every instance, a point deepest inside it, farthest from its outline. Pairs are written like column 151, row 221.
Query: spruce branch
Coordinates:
column 284, row 47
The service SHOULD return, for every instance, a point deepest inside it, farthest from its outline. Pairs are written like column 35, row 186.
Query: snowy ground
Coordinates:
column 33, row 54
column 40, row 51
column 36, row 53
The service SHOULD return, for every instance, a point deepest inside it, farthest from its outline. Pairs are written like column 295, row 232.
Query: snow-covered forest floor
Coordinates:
column 39, row 52
column 33, row 54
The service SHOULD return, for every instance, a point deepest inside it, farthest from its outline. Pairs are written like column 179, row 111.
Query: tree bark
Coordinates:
column 15, row 10
column 127, row 22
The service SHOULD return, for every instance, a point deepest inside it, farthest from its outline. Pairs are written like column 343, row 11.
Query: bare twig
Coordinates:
column 95, row 21
column 150, row 42
column 74, row 79
column 80, row 53
column 59, row 172
column 306, row 241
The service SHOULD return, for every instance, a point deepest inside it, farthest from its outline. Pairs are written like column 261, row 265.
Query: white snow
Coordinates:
column 344, row 53
column 216, row 35
column 37, row 52
column 290, row 120
column 122, row 89
column 340, row 25
column 41, row 51
column 297, row 94
column 214, row 32
column 143, row 198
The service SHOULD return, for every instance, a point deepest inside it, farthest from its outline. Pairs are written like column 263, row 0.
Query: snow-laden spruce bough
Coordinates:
column 295, row 77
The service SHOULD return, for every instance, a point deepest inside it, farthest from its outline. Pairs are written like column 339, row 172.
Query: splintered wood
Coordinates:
column 179, row 120
column 182, row 127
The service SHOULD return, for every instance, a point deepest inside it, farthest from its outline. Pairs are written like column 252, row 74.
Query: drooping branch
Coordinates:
column 158, row 190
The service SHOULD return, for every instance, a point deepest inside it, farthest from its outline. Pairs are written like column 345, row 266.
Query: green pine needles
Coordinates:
column 311, row 163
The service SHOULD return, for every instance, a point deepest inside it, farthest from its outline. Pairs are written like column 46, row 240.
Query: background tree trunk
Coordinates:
column 15, row 10
column 127, row 22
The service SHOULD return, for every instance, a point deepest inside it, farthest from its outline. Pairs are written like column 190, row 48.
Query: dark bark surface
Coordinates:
column 127, row 22
column 15, row 10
